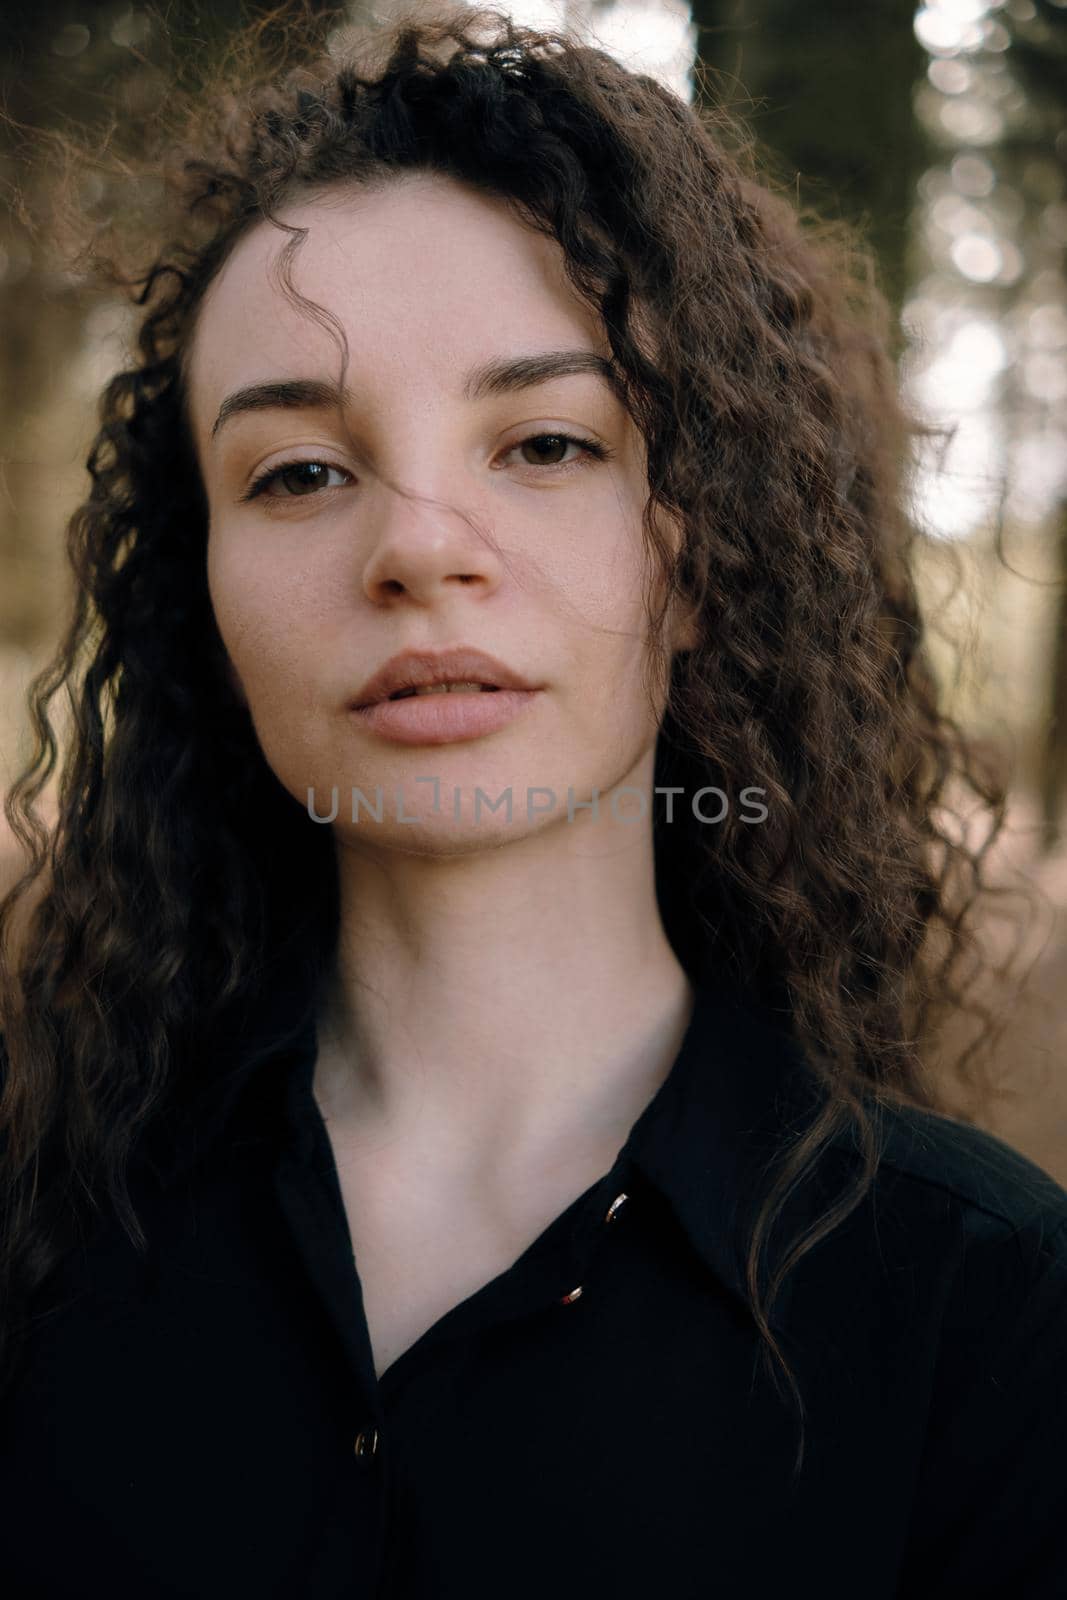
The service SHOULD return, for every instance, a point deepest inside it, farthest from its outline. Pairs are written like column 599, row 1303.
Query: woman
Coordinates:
column 472, row 1140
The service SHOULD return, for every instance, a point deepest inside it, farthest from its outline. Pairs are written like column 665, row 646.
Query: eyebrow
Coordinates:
column 502, row 375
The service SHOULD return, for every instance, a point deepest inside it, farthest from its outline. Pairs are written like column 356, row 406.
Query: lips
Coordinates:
column 450, row 688
column 436, row 719
column 423, row 669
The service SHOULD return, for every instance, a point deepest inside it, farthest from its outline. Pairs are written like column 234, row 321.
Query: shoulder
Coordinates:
column 958, row 1249
column 957, row 1232
column 997, row 1226
column 944, row 1192
column 931, row 1165
column 987, row 1197
column 974, row 1237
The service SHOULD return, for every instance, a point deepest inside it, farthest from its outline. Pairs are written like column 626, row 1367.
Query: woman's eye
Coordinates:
column 300, row 479
column 552, row 444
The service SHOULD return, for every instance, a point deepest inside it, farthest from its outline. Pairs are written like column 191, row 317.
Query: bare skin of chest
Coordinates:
column 424, row 1243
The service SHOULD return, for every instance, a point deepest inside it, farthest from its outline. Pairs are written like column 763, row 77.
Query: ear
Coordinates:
column 235, row 684
column 684, row 628
column 685, row 632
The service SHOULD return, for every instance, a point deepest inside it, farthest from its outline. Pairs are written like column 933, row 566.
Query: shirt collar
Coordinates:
column 735, row 1096
column 259, row 1044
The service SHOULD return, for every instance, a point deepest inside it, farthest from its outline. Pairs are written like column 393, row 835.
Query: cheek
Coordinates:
column 228, row 586
column 612, row 654
column 259, row 616
column 599, row 567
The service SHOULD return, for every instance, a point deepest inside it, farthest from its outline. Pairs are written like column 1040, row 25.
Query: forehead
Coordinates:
column 424, row 277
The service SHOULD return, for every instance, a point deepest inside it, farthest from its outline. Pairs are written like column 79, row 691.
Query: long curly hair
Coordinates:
column 754, row 344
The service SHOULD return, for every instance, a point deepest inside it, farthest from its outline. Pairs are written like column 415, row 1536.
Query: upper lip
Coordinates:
column 420, row 669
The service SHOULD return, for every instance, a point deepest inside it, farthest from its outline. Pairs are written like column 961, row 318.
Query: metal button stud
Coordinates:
column 367, row 1442
column 612, row 1213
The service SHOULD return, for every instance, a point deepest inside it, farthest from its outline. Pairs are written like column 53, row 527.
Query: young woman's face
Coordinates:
column 327, row 572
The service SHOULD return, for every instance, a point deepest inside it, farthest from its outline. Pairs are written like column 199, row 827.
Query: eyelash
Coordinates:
column 593, row 448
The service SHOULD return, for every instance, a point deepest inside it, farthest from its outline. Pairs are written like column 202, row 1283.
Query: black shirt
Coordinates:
column 206, row 1421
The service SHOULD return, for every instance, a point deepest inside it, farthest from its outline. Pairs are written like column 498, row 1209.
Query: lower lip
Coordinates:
column 444, row 718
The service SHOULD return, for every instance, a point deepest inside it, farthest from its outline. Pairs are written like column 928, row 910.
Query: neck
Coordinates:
column 497, row 1002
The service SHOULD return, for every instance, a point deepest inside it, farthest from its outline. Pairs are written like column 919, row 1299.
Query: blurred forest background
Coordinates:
column 939, row 130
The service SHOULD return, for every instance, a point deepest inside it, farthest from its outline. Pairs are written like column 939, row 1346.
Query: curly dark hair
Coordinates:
column 753, row 344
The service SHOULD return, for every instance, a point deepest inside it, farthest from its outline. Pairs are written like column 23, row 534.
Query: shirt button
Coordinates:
column 367, row 1442
column 615, row 1206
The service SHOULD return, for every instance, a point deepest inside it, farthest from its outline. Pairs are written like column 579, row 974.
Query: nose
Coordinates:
column 426, row 547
